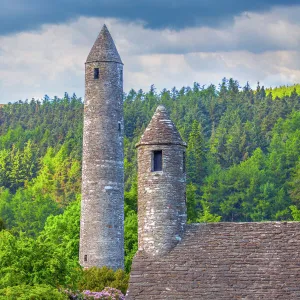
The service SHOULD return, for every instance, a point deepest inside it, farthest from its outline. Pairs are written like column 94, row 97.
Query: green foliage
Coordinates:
column 28, row 292
column 295, row 213
column 243, row 164
column 18, row 167
column 26, row 261
column 131, row 236
column 2, row 225
column 63, row 230
column 26, row 210
column 62, row 233
column 283, row 91
column 196, row 155
column 206, row 216
column 96, row 279
column 131, row 223
column 51, row 258
column 294, row 184
column 56, row 185
column 192, row 201
column 257, row 189
column 59, row 176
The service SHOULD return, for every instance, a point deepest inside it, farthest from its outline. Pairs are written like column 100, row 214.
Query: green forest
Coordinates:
column 243, row 165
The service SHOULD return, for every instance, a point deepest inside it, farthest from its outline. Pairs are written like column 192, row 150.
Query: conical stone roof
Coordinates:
column 104, row 48
column 161, row 130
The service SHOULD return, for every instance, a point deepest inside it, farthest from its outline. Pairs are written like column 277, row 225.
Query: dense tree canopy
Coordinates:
column 243, row 164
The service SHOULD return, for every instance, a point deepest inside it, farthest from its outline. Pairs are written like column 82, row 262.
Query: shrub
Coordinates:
column 96, row 279
column 2, row 225
column 27, row 292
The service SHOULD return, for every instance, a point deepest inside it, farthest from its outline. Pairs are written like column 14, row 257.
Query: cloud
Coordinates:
column 18, row 15
column 50, row 60
column 256, row 47
column 277, row 30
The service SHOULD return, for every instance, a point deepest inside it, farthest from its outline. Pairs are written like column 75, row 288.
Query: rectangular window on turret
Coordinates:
column 157, row 161
column 183, row 162
column 96, row 73
column 85, row 258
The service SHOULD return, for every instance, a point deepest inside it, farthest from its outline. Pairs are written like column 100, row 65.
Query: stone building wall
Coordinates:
column 161, row 199
column 161, row 194
column 102, row 210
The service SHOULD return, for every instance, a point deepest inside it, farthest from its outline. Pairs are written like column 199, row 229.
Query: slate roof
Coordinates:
column 161, row 130
column 224, row 261
column 104, row 48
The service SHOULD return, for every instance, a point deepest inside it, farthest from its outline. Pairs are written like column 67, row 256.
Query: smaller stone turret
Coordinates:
column 161, row 186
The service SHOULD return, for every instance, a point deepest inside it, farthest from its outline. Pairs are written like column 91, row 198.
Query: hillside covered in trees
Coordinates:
column 243, row 164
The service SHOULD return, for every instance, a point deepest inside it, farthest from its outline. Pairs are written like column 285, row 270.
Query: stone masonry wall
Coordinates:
column 102, row 210
column 161, row 199
column 223, row 261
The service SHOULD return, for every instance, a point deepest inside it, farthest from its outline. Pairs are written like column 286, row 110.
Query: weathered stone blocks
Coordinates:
column 161, row 194
column 102, row 206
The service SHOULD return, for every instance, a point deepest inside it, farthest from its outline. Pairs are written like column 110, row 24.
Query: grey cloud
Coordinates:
column 212, row 62
column 253, row 32
column 51, row 61
column 17, row 16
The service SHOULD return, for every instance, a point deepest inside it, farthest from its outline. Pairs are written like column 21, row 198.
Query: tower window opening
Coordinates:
column 157, row 161
column 119, row 126
column 85, row 258
column 183, row 162
column 121, row 75
column 96, row 73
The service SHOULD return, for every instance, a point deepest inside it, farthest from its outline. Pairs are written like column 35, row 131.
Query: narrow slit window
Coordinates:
column 183, row 162
column 119, row 126
column 96, row 73
column 157, row 160
column 121, row 75
column 85, row 258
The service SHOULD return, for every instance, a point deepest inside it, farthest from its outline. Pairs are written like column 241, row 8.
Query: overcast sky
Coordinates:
column 44, row 44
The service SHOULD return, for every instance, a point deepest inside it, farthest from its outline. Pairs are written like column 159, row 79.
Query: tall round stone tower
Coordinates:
column 161, row 186
column 102, row 206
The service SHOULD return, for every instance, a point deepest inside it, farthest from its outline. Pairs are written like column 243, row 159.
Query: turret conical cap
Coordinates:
column 161, row 130
column 104, row 48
